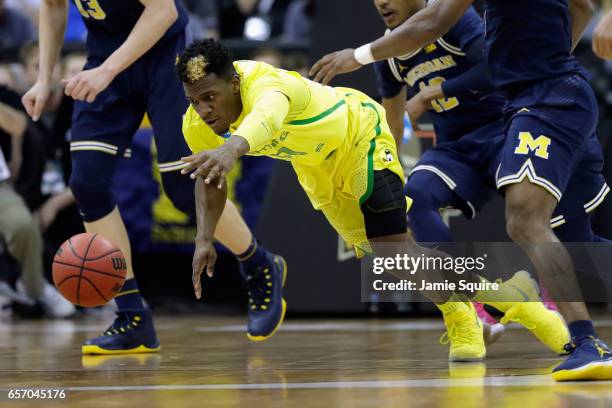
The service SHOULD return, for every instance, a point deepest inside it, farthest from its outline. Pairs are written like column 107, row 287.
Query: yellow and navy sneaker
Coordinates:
column 464, row 331
column 589, row 359
column 110, row 362
column 521, row 304
column 131, row 332
column 266, row 304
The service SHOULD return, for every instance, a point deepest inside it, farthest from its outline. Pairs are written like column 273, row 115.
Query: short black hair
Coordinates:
column 219, row 59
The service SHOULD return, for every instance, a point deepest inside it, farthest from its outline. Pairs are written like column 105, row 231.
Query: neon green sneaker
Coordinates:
column 464, row 331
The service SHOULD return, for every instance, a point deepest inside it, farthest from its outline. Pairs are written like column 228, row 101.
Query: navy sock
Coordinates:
column 129, row 300
column 581, row 328
column 254, row 257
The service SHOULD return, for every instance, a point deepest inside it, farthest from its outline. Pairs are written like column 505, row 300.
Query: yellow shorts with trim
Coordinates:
column 343, row 182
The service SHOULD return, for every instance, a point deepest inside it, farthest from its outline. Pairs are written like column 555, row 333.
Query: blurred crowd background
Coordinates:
column 284, row 33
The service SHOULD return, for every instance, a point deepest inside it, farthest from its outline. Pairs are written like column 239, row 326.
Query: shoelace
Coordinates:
column 260, row 289
column 599, row 345
column 453, row 333
column 512, row 316
column 122, row 324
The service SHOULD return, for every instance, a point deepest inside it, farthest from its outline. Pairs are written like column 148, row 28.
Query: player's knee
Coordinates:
column 93, row 195
column 425, row 190
column 179, row 189
column 421, row 197
column 526, row 224
column 384, row 211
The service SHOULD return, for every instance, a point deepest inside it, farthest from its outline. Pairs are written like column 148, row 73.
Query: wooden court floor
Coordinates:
column 309, row 363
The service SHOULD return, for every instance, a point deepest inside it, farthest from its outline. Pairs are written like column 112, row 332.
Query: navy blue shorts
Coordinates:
column 149, row 86
column 467, row 166
column 587, row 187
column 548, row 126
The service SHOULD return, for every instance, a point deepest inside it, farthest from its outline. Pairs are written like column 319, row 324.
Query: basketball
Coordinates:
column 89, row 270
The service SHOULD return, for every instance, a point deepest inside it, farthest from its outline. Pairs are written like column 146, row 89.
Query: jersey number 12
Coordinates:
column 441, row 105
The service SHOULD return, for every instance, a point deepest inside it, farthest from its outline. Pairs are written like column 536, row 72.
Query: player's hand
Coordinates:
column 339, row 62
column 602, row 37
column 204, row 256
column 213, row 165
column 86, row 85
column 35, row 99
column 416, row 107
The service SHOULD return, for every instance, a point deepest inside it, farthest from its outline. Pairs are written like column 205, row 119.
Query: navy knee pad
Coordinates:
column 179, row 188
column 91, row 183
column 93, row 195
column 428, row 191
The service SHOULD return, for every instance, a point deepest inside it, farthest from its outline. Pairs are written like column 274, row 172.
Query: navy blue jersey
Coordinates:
column 441, row 61
column 527, row 41
column 109, row 23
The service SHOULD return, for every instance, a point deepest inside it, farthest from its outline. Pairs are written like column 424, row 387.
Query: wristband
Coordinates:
column 363, row 54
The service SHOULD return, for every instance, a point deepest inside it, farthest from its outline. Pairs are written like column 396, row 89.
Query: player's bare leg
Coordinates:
column 528, row 211
column 232, row 231
column 464, row 328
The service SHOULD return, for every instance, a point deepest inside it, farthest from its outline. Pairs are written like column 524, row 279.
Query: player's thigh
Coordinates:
column 166, row 105
column 102, row 131
column 372, row 178
column 537, row 152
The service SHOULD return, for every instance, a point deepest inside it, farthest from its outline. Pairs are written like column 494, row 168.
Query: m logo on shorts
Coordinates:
column 528, row 144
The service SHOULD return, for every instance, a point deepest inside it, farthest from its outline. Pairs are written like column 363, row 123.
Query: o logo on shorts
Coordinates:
column 528, row 144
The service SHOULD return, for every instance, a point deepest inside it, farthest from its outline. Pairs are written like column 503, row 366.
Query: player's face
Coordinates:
column 395, row 12
column 216, row 100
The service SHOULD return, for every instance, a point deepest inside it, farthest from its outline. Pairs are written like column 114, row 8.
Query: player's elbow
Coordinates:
column 170, row 13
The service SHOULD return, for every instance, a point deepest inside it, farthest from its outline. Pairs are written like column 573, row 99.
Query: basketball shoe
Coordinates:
column 521, row 303
column 464, row 331
column 131, row 332
column 589, row 359
column 266, row 304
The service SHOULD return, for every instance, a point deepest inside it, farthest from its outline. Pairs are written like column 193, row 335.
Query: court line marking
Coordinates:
column 500, row 381
column 356, row 327
column 69, row 326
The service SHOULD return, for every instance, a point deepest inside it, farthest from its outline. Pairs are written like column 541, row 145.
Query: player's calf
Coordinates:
column 386, row 229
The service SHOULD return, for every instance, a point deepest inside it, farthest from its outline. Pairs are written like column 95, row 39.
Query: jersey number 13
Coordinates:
column 90, row 9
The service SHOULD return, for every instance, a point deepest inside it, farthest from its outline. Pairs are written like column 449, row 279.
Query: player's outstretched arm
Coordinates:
column 157, row 17
column 422, row 28
column 602, row 38
column 210, row 202
column 52, row 24
column 581, row 12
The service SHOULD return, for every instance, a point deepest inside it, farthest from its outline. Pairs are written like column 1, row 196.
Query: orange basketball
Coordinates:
column 89, row 270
